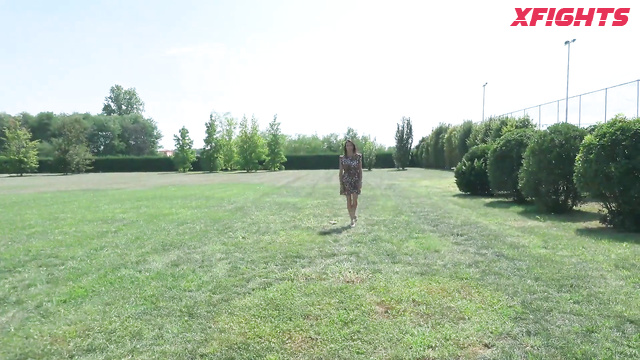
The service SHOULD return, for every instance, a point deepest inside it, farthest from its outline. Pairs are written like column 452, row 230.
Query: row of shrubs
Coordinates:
column 166, row 164
column 560, row 167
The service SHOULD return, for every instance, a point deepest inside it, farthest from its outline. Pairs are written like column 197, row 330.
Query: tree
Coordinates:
column 122, row 102
column 422, row 152
column 41, row 126
column 332, row 143
column 451, row 157
column 227, row 146
column 437, row 146
column 352, row 135
column 211, row 152
column 5, row 119
column 72, row 153
column 20, row 151
column 184, row 154
column 308, row 145
column 275, row 146
column 463, row 136
column 404, row 143
column 104, row 136
column 139, row 136
column 369, row 150
column 250, row 145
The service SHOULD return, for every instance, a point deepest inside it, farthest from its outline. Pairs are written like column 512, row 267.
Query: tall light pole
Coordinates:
column 566, row 102
column 483, row 87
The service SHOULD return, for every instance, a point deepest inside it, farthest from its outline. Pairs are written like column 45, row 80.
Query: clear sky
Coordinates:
column 320, row 65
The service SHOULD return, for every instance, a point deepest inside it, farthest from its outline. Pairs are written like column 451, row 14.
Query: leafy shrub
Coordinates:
column 591, row 128
column 471, row 173
column 451, row 156
column 436, row 146
column 505, row 161
column 422, row 152
column 481, row 133
column 505, row 125
column 608, row 169
column 369, row 154
column 547, row 169
column 463, row 136
column 493, row 128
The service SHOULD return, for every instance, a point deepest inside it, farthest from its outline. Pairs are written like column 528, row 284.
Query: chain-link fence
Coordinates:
column 589, row 108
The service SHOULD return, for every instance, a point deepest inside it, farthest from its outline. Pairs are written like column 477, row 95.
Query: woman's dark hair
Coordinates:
column 355, row 148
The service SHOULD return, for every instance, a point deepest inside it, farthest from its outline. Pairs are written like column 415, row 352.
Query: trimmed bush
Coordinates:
column 481, row 133
column 134, row 164
column 463, row 136
column 546, row 175
column 608, row 169
column 451, row 156
column 591, row 128
column 4, row 165
column 471, row 173
column 436, row 146
column 422, row 153
column 330, row 161
column 490, row 130
column 505, row 125
column 166, row 164
column 505, row 161
column 47, row 166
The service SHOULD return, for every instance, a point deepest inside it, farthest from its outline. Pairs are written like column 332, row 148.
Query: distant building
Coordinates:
column 166, row 152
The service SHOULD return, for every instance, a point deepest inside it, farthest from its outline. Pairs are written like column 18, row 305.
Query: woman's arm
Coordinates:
column 360, row 172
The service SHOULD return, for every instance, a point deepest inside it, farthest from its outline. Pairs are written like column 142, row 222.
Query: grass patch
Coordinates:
column 228, row 266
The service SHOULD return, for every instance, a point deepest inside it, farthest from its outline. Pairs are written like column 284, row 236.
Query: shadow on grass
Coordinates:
column 441, row 170
column 607, row 233
column 187, row 173
column 12, row 176
column 335, row 231
column 469, row 196
column 530, row 211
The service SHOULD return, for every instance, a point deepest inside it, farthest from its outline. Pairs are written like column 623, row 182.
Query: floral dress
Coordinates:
column 351, row 176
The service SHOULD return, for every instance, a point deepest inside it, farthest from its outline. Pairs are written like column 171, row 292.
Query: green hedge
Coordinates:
column 133, row 164
column 166, row 164
column 330, row 161
column 3, row 164
column 608, row 169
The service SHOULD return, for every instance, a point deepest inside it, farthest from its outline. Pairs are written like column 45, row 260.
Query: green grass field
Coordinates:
column 248, row 266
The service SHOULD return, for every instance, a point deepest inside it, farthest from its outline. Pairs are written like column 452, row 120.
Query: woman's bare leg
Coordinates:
column 349, row 208
column 354, row 205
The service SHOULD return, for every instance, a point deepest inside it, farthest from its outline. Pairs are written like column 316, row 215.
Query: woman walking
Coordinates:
column 351, row 178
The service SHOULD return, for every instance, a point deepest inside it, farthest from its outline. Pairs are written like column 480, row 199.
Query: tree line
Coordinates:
column 232, row 144
column 72, row 140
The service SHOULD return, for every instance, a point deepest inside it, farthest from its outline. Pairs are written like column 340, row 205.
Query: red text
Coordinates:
column 571, row 16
